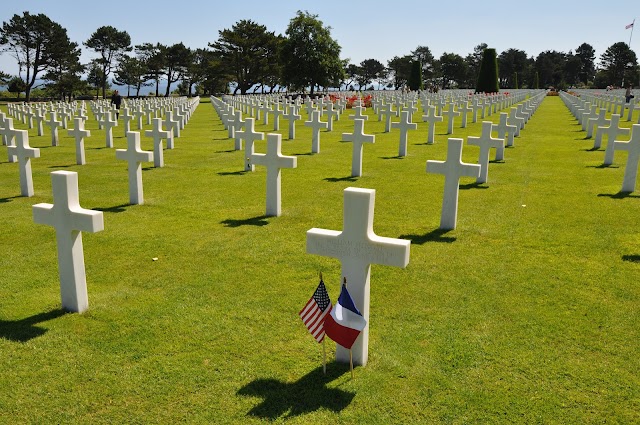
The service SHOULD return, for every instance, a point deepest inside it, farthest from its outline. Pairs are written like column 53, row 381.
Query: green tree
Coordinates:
column 35, row 41
column 216, row 79
column 176, row 60
column 399, row 69
column 351, row 73
column 64, row 70
column 94, row 76
column 473, row 61
column 131, row 72
column 550, row 66
column 310, row 56
column 587, row 56
column 509, row 62
column 110, row 44
column 153, row 61
column 620, row 64
column 16, row 85
column 247, row 51
column 4, row 77
column 488, row 76
column 423, row 55
column 452, row 69
column 415, row 78
column 369, row 71
column 572, row 67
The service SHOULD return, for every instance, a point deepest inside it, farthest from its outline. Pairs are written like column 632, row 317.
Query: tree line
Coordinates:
column 247, row 57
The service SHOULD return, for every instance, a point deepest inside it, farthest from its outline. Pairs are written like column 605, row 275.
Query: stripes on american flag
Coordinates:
column 630, row 25
column 314, row 312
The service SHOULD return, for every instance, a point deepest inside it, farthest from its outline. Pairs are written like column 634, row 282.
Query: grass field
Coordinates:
column 527, row 313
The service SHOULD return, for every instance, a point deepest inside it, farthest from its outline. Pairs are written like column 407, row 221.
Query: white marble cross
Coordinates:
column 485, row 142
column 387, row 112
column 404, row 125
column 138, row 113
column 316, row 125
column 23, row 152
column 432, row 118
column 451, row 113
column 39, row 120
column 126, row 119
column 599, row 121
column 358, row 138
column 332, row 114
column 134, row 157
column 277, row 111
column 8, row 135
column 249, row 135
column 54, row 124
column 171, row 125
column 411, row 108
column 633, row 149
column 265, row 109
column 505, row 131
column 464, row 109
column 238, row 123
column 79, row 133
column 157, row 134
column 292, row 116
column 108, row 123
column 274, row 161
column 69, row 220
column 358, row 113
column 612, row 132
column 453, row 168
column 515, row 120
column 357, row 247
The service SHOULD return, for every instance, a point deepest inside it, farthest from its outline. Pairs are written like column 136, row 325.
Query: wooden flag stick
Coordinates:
column 324, row 357
column 351, row 362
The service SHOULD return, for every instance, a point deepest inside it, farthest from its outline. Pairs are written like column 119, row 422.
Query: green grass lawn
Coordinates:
column 528, row 312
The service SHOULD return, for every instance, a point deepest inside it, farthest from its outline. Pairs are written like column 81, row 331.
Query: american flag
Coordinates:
column 314, row 312
column 630, row 25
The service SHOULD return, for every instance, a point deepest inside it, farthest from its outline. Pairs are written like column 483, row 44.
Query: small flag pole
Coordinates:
column 350, row 352
column 324, row 357
column 632, row 26
column 351, row 362
column 324, row 347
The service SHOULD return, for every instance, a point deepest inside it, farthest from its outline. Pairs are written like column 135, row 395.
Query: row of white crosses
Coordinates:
column 66, row 215
column 453, row 168
column 22, row 152
column 612, row 101
column 582, row 109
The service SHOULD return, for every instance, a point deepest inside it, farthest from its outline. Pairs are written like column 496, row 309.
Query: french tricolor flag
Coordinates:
column 345, row 322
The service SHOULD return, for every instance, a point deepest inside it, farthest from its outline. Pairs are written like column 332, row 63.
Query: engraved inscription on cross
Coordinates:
column 357, row 247
column 69, row 220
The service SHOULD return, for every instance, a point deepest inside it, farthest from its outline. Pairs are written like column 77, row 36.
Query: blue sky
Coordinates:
column 364, row 29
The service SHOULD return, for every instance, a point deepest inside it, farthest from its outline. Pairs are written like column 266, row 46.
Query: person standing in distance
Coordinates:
column 116, row 99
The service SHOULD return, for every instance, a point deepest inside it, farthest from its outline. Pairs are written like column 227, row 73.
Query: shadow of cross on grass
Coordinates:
column 24, row 329
column 306, row 395
column 437, row 235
